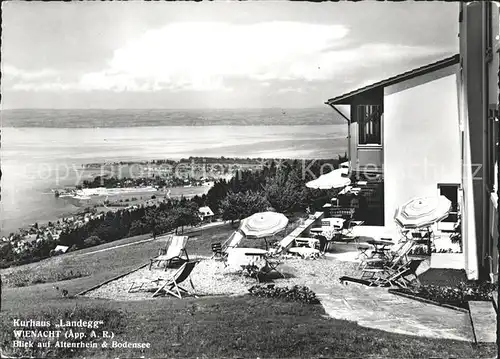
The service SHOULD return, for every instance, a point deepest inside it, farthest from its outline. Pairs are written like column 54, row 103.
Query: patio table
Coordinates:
column 255, row 260
column 381, row 246
column 237, row 257
column 307, row 242
column 328, row 232
column 305, row 252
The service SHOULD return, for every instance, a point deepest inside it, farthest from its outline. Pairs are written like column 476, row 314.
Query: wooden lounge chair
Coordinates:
column 289, row 245
column 391, row 258
column 378, row 270
column 388, row 277
column 400, row 275
column 170, row 285
column 174, row 254
column 284, row 245
column 233, row 241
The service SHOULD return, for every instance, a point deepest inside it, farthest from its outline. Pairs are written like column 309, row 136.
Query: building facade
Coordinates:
column 434, row 130
column 479, row 102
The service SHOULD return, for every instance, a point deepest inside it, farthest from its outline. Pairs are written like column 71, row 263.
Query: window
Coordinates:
column 369, row 122
column 450, row 191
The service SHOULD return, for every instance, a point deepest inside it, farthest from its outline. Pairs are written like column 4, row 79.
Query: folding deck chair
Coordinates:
column 389, row 277
column 174, row 253
column 386, row 272
column 286, row 245
column 348, row 227
column 401, row 274
column 220, row 250
column 283, row 246
column 397, row 254
column 233, row 241
column 171, row 284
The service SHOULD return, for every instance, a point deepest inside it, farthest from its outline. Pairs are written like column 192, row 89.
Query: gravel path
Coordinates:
column 210, row 277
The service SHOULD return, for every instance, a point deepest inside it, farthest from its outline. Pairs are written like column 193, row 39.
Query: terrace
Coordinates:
column 367, row 313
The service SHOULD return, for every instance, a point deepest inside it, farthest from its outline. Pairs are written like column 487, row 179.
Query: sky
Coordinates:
column 184, row 55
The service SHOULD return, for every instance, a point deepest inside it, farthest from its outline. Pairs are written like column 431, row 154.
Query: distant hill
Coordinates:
column 134, row 118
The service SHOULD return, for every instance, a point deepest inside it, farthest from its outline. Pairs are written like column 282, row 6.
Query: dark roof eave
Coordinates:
column 346, row 98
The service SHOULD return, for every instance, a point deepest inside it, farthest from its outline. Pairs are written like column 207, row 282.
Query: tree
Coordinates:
column 6, row 254
column 137, row 228
column 216, row 194
column 154, row 220
column 185, row 214
column 236, row 206
column 92, row 241
column 285, row 191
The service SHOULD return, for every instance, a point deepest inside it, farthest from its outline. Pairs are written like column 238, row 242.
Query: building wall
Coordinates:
column 469, row 211
column 421, row 138
column 493, row 101
column 480, row 93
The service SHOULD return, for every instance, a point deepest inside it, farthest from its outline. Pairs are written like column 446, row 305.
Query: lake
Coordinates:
column 37, row 159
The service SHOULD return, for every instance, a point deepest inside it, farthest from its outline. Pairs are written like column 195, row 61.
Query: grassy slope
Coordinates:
column 243, row 327
column 99, row 266
column 217, row 326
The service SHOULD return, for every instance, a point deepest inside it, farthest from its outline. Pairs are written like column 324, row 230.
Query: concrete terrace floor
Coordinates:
column 378, row 309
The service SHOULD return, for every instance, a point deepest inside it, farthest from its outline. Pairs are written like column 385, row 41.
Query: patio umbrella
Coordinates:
column 263, row 224
column 333, row 179
column 422, row 211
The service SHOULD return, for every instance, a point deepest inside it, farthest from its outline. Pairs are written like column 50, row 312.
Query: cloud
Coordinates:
column 12, row 72
column 291, row 89
column 203, row 55
column 206, row 56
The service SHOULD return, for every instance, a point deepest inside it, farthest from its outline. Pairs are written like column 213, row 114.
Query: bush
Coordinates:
column 295, row 293
column 457, row 296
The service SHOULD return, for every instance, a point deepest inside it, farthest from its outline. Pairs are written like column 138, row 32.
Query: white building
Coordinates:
column 206, row 214
column 434, row 130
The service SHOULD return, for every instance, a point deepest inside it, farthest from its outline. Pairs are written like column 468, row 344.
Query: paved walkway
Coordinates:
column 378, row 309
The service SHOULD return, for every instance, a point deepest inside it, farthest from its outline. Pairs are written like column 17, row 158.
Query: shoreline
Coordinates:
column 122, row 193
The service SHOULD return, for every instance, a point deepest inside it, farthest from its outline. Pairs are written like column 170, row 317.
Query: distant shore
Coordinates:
column 80, row 118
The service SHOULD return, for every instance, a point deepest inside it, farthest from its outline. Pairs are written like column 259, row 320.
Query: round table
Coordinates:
column 382, row 246
column 305, row 252
column 241, row 256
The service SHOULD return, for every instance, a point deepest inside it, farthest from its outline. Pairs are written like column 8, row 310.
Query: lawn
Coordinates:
column 97, row 266
column 242, row 326
column 228, row 327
